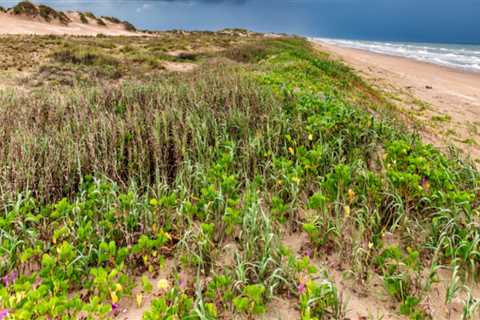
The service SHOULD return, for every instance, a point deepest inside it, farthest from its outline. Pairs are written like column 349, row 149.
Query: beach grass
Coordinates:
column 187, row 188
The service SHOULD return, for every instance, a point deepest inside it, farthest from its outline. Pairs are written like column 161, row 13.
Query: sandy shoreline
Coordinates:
column 443, row 103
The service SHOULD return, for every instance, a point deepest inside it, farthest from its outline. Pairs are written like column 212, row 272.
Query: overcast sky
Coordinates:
column 401, row 20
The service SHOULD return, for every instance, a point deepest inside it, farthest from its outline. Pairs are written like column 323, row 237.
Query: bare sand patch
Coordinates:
column 178, row 66
column 10, row 24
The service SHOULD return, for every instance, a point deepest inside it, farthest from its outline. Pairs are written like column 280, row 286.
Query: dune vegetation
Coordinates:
column 44, row 13
column 267, row 181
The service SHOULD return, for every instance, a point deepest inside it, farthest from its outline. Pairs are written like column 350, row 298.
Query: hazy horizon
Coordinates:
column 439, row 21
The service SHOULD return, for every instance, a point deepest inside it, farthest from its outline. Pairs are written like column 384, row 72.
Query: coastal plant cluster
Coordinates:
column 46, row 61
column 178, row 194
column 46, row 12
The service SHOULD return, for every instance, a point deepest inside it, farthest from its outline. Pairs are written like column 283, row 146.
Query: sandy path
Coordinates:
column 21, row 25
column 444, row 103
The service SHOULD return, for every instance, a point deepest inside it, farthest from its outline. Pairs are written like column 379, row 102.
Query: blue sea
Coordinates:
column 459, row 56
column 445, row 32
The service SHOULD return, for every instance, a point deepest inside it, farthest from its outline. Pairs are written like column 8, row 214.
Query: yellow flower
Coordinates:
column 114, row 297
column 139, row 299
column 370, row 245
column 118, row 287
column 290, row 149
column 346, row 209
column 310, row 137
column 163, row 284
column 351, row 195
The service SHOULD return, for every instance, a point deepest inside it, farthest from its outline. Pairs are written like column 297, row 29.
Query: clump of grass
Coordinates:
column 49, row 14
column 250, row 53
column 46, row 12
column 26, row 7
column 442, row 118
column 129, row 27
column 86, row 57
column 100, row 22
column 83, row 18
column 111, row 19
column 90, row 15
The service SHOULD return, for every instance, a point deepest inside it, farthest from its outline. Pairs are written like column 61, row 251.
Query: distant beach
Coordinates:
column 459, row 56
column 450, row 97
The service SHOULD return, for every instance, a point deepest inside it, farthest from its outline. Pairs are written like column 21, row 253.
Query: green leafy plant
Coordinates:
column 252, row 300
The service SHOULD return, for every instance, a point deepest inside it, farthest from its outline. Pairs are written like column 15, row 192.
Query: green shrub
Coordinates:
column 26, row 7
column 90, row 15
column 112, row 19
column 100, row 22
column 86, row 57
column 83, row 18
column 128, row 26
column 50, row 14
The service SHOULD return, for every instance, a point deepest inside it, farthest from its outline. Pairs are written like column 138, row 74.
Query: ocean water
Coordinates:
column 459, row 56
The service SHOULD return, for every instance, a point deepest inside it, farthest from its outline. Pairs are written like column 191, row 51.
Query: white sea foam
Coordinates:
column 466, row 57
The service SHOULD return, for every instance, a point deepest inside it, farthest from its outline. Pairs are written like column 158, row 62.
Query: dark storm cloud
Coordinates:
column 415, row 20
column 207, row 1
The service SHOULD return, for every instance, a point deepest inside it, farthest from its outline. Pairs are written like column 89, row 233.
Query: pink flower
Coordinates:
column 9, row 278
column 3, row 314
column 309, row 252
column 114, row 306
column 182, row 283
column 301, row 288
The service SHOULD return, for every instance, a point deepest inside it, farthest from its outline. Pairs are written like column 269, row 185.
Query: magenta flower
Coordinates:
column 301, row 288
column 309, row 252
column 3, row 314
column 114, row 306
column 182, row 283
column 9, row 278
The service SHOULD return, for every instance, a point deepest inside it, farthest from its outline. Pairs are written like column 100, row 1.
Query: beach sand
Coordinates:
column 10, row 24
column 443, row 104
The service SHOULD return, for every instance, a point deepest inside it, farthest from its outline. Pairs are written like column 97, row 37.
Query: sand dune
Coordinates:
column 11, row 24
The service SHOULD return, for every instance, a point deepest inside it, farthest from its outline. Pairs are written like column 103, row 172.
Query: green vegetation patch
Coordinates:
column 128, row 26
column 46, row 12
column 111, row 19
column 26, row 7
column 105, row 186
column 49, row 14
column 86, row 57
column 100, row 22
column 83, row 18
column 90, row 15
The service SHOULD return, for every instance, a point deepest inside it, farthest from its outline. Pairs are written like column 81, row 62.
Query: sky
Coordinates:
column 448, row 21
